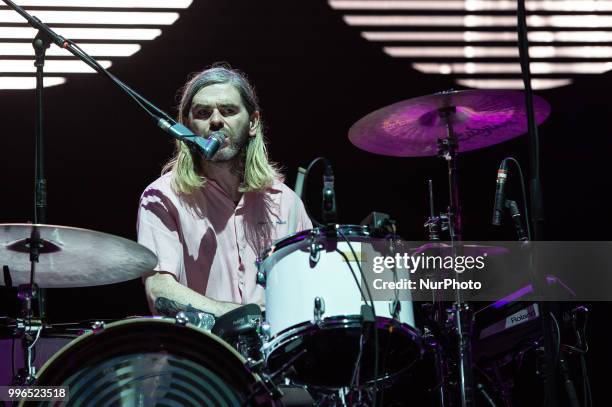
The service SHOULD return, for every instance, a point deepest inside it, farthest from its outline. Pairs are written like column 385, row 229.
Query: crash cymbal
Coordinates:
column 71, row 257
column 479, row 118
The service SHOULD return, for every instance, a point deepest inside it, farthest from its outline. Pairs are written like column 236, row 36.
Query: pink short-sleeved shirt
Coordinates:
column 209, row 243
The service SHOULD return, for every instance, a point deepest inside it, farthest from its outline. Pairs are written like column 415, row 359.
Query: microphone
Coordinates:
column 328, row 208
column 207, row 146
column 516, row 217
column 500, row 197
column 210, row 145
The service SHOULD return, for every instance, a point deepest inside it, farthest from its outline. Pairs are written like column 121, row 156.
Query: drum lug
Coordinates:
column 261, row 278
column 181, row 318
column 314, row 249
column 97, row 326
column 319, row 309
column 264, row 331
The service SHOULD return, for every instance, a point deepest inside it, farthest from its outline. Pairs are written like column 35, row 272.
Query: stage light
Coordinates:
column 107, row 50
column 94, row 17
column 458, row 36
column 51, row 66
column 161, row 4
column 499, row 52
column 125, row 30
column 28, row 82
column 472, row 5
column 515, row 68
column 512, row 83
column 86, row 33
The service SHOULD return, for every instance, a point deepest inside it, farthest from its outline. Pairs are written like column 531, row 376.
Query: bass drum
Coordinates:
column 150, row 362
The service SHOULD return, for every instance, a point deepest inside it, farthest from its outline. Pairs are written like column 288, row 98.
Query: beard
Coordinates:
column 236, row 146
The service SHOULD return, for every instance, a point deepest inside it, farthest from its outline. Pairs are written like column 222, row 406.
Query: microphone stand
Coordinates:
column 535, row 189
column 28, row 293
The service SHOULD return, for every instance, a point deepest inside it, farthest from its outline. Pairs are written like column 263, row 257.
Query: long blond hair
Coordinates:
column 258, row 172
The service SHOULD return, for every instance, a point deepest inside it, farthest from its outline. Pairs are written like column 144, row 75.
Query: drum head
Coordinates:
column 150, row 362
column 325, row 355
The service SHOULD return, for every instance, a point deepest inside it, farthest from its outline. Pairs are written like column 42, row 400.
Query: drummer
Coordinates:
column 208, row 220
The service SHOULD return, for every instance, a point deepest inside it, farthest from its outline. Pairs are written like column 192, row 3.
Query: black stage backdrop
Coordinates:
column 315, row 77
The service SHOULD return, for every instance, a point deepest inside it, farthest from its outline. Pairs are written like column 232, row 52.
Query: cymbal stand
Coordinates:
column 29, row 328
column 460, row 314
column 435, row 312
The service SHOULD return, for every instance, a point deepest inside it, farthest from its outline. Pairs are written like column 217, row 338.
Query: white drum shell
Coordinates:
column 293, row 283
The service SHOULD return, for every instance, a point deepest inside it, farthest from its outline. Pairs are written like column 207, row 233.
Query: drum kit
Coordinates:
column 330, row 342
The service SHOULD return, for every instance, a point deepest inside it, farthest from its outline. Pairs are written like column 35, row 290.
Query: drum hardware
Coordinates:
column 200, row 319
column 260, row 278
column 319, row 310
column 435, row 311
column 446, row 124
column 461, row 312
column 181, row 318
column 28, row 330
column 150, row 361
column 435, row 223
column 59, row 256
column 395, row 308
column 314, row 249
column 437, row 340
column 331, row 233
column 241, row 328
column 98, row 326
column 442, row 367
column 315, row 333
column 379, row 225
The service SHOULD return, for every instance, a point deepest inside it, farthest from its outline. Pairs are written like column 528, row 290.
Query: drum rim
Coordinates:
column 337, row 322
column 137, row 321
column 360, row 230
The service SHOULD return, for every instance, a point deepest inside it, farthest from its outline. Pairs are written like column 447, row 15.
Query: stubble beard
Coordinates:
column 234, row 155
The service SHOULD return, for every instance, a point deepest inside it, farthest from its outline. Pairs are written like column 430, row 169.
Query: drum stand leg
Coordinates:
column 29, row 330
column 462, row 315
column 442, row 371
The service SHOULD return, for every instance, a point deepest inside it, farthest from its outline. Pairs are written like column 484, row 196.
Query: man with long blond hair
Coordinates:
column 208, row 220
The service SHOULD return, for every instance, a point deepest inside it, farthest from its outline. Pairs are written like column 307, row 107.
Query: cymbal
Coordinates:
column 71, row 257
column 411, row 128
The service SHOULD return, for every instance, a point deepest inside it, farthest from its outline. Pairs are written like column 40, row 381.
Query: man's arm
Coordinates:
column 168, row 297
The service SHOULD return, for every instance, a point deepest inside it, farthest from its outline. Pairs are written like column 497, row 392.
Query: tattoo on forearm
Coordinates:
column 169, row 308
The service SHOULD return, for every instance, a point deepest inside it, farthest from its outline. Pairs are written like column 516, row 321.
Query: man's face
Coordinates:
column 219, row 107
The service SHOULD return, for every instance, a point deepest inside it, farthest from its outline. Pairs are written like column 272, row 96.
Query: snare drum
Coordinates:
column 313, row 309
column 153, row 361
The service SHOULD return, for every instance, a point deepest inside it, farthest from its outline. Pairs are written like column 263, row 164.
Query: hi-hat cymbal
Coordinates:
column 71, row 257
column 411, row 128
